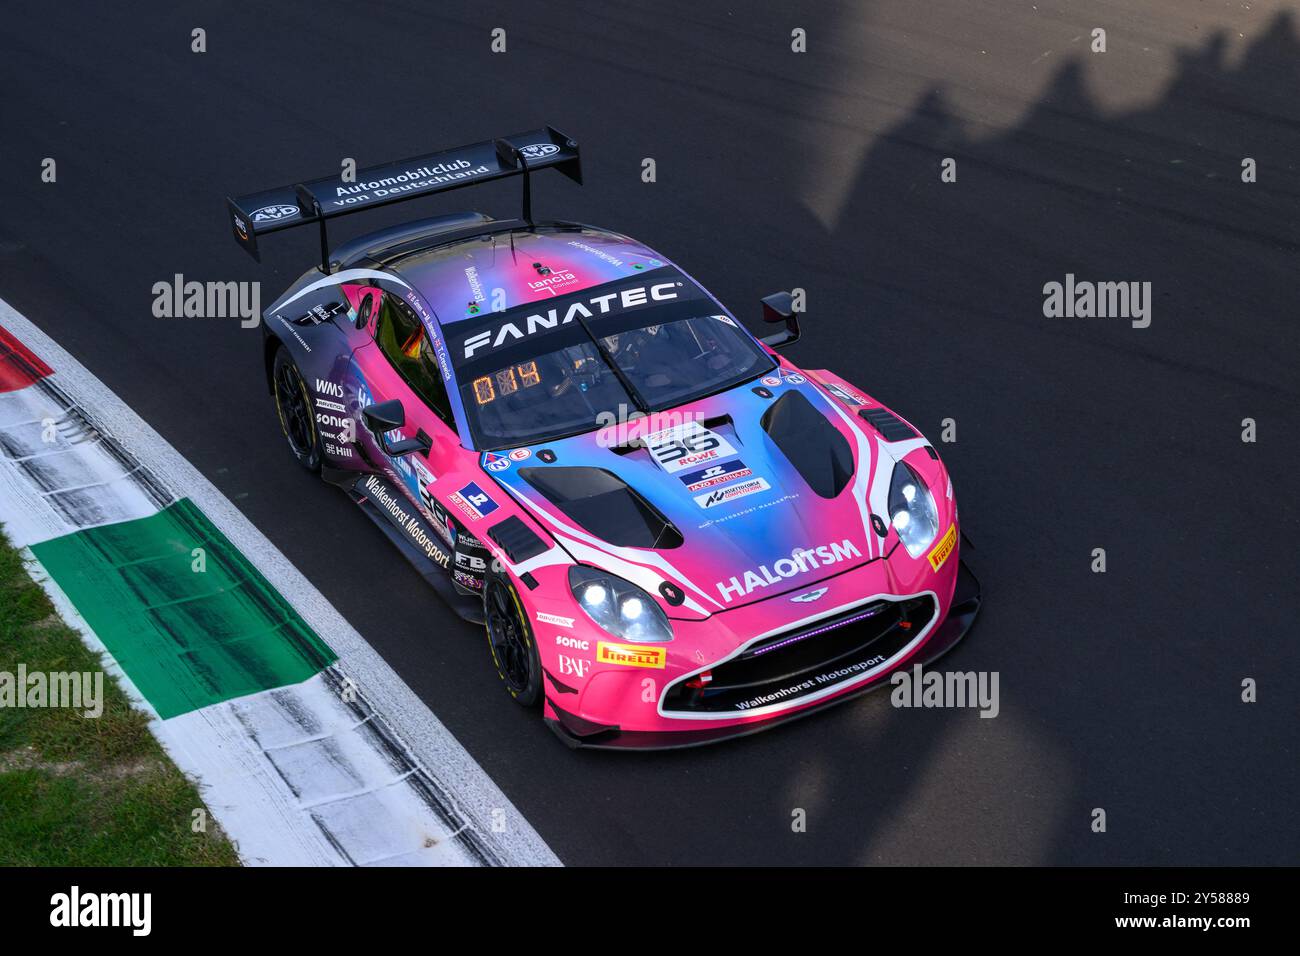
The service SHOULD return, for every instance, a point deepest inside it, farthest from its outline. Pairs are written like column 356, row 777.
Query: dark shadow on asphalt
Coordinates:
column 1118, row 690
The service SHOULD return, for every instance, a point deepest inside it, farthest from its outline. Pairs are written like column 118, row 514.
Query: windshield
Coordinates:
column 561, row 367
column 680, row 361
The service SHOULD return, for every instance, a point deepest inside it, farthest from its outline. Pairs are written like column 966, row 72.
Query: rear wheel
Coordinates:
column 510, row 639
column 295, row 409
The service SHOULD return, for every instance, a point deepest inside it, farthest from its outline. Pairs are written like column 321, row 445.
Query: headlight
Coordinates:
column 911, row 510
column 619, row 607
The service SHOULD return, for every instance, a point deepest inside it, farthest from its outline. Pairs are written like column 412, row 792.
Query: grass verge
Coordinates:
column 80, row 791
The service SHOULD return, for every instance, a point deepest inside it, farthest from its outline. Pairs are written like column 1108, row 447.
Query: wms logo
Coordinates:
column 103, row 909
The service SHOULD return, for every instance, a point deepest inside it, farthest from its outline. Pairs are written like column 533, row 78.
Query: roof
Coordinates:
column 501, row 270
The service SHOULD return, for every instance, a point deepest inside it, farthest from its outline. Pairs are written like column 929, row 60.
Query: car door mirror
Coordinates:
column 364, row 309
column 779, row 307
column 383, row 418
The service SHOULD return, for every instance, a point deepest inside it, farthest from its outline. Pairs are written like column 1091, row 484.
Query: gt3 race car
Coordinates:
column 671, row 534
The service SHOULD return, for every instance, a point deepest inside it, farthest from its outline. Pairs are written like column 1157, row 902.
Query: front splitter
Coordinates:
column 579, row 733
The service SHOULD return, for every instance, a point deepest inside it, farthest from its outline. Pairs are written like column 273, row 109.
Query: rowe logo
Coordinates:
column 801, row 560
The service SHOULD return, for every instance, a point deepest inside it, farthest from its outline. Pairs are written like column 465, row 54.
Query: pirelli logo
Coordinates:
column 944, row 548
column 631, row 655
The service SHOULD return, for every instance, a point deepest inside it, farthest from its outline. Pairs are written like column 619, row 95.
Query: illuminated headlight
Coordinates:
column 619, row 607
column 911, row 510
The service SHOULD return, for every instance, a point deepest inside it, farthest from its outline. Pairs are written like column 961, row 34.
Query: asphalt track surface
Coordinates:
column 1118, row 690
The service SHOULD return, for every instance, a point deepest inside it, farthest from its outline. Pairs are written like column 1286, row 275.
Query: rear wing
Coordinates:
column 320, row 200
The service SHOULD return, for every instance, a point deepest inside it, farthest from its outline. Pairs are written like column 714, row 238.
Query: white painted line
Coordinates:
column 403, row 717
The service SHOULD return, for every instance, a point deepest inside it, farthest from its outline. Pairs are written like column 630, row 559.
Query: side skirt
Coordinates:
column 413, row 536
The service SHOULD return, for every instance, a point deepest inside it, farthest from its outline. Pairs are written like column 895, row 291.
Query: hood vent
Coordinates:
column 516, row 539
column 814, row 446
column 890, row 426
column 603, row 504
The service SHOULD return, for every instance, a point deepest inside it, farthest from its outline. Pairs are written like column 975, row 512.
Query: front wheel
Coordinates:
column 295, row 409
column 510, row 639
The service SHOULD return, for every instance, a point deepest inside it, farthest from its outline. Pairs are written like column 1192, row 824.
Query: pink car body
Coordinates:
column 738, row 543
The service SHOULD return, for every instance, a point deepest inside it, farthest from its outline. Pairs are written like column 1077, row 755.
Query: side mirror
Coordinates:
column 364, row 310
column 779, row 307
column 383, row 418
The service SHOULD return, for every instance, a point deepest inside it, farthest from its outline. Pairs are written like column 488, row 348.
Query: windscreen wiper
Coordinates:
column 613, row 367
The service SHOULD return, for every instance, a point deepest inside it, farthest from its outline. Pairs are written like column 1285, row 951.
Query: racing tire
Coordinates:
column 510, row 639
column 297, row 414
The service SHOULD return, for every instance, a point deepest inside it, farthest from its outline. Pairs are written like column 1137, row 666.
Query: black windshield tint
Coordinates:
column 677, row 362
column 498, row 339
column 558, row 393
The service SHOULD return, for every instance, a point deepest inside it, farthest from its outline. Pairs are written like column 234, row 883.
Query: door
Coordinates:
column 410, row 373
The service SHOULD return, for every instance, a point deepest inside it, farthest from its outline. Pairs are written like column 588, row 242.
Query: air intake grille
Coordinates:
column 517, row 540
column 888, row 424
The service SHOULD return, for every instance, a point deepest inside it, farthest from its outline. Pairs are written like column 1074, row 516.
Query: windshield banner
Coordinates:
column 655, row 297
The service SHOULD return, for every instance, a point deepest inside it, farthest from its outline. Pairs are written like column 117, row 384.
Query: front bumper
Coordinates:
column 576, row 731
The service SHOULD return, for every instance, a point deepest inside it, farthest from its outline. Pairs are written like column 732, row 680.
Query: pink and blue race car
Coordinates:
column 671, row 534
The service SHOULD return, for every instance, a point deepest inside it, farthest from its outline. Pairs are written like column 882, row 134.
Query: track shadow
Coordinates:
column 1120, row 690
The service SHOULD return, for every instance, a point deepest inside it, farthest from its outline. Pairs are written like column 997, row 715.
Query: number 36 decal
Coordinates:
column 686, row 445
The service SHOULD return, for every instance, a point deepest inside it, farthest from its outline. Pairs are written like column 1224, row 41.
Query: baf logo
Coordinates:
column 274, row 213
column 539, row 150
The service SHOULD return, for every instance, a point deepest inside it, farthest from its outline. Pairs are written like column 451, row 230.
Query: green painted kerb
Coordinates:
column 187, row 638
